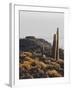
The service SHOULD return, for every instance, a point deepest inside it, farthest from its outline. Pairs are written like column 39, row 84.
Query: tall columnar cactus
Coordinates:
column 54, row 47
column 57, row 57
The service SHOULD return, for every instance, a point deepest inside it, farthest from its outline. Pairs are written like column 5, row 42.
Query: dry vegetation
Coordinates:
column 31, row 66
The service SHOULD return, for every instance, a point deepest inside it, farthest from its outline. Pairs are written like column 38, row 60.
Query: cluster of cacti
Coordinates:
column 55, row 48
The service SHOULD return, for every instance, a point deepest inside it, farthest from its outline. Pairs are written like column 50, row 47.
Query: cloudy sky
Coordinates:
column 42, row 25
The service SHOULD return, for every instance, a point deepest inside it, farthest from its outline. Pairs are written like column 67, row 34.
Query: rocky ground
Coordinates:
column 33, row 66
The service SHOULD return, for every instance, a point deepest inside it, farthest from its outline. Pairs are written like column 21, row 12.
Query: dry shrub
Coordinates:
column 21, row 54
column 55, row 65
column 43, row 65
column 26, row 76
column 40, row 64
column 28, row 59
column 26, row 66
column 53, row 73
column 26, row 54
column 49, row 66
column 61, row 62
column 47, row 61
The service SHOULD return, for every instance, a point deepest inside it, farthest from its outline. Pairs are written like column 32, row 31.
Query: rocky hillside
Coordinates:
column 37, row 46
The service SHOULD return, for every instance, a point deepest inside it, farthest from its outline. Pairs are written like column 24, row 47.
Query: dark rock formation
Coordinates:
column 33, row 44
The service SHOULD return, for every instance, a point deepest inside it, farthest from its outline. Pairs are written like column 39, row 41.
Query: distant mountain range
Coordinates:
column 37, row 45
